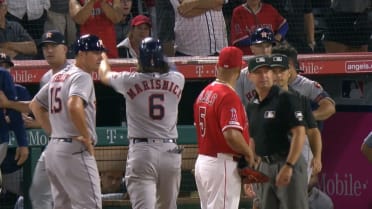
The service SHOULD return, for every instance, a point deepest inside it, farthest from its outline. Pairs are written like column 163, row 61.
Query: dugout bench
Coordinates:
column 111, row 151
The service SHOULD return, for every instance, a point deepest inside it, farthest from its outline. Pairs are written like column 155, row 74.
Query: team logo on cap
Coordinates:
column 260, row 59
column 49, row 35
column 264, row 34
column 2, row 55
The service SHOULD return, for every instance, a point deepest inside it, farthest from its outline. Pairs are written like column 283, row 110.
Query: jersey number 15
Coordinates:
column 55, row 100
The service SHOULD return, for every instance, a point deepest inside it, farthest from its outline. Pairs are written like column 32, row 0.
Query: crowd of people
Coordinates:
column 188, row 28
column 253, row 103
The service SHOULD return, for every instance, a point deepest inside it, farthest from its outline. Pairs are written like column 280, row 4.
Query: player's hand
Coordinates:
column 21, row 155
column 90, row 148
column 284, row 176
column 250, row 158
column 4, row 102
column 316, row 165
column 30, row 122
column 88, row 144
column 257, row 161
column 249, row 192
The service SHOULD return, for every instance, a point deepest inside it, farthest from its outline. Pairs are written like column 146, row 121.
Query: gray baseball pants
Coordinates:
column 40, row 191
column 153, row 175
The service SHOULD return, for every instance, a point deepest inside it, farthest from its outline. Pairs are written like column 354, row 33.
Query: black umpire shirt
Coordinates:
column 271, row 120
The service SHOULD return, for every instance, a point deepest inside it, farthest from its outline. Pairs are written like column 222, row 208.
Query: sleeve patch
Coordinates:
column 299, row 115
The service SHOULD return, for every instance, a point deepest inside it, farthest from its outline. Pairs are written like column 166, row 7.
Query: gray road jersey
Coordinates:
column 54, row 96
column 309, row 88
column 151, row 102
column 244, row 87
column 46, row 78
column 48, row 75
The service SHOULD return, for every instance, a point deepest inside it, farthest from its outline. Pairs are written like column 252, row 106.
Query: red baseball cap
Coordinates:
column 140, row 19
column 230, row 57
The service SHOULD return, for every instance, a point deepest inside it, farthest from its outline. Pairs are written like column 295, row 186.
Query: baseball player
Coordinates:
column 66, row 110
column 152, row 94
column 262, row 40
column 54, row 49
column 11, row 170
column 222, row 130
column 367, row 147
column 11, row 120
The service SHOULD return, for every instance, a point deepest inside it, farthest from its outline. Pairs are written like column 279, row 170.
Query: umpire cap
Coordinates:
column 89, row 42
column 262, row 35
column 279, row 60
column 290, row 52
column 257, row 62
column 4, row 58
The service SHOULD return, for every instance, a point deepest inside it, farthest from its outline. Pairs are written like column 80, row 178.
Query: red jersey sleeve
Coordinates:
column 233, row 115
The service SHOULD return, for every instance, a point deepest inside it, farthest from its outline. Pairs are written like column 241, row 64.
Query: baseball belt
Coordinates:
column 147, row 140
column 68, row 140
column 274, row 158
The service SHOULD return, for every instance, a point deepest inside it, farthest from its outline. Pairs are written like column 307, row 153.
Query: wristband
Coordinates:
column 289, row 164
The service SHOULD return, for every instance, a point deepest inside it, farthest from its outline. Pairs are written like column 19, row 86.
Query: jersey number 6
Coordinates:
column 156, row 109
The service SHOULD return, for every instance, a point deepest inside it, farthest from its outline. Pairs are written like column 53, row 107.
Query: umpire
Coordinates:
column 277, row 128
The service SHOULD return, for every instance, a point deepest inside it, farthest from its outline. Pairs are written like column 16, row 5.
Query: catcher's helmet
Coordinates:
column 151, row 53
column 261, row 35
column 89, row 42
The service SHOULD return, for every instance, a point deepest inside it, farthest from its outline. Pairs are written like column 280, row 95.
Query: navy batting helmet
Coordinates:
column 89, row 42
column 261, row 35
column 151, row 53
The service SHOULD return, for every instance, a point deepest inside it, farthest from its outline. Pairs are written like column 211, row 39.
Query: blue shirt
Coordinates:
column 16, row 122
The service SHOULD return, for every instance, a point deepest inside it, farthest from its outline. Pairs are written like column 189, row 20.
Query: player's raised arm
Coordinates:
column 104, row 70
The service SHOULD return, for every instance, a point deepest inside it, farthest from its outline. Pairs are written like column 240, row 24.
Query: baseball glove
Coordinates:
column 250, row 175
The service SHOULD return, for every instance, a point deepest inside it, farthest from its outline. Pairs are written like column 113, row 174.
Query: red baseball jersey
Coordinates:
column 99, row 25
column 217, row 108
column 244, row 22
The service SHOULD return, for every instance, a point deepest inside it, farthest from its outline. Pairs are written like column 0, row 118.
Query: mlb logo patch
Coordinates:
column 260, row 59
column 269, row 114
column 299, row 115
column 277, row 59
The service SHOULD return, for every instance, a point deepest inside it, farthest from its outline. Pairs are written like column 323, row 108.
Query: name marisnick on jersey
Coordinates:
column 156, row 84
